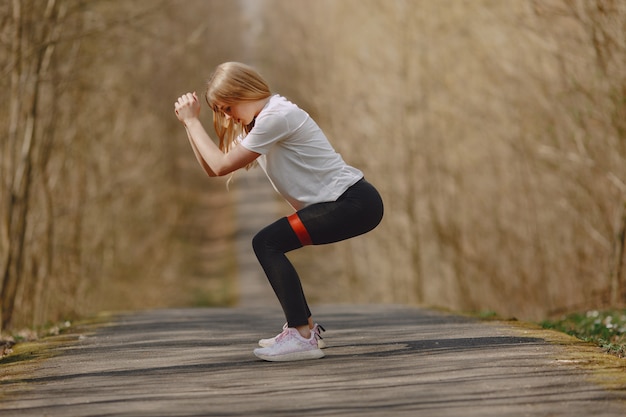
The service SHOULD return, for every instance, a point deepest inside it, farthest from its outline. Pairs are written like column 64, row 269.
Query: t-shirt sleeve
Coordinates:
column 268, row 130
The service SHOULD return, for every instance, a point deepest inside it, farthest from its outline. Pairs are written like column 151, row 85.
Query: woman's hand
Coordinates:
column 187, row 107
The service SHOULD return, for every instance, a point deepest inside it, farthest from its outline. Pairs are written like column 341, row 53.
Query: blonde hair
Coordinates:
column 230, row 83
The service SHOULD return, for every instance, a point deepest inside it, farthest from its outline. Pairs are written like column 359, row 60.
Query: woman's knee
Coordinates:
column 278, row 237
column 258, row 242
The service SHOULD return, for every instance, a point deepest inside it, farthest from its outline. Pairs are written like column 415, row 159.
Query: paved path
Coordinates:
column 381, row 361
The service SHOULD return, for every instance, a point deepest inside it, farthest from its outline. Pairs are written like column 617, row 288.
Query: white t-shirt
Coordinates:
column 296, row 156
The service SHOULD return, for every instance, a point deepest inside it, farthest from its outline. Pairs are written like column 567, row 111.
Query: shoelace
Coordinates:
column 318, row 334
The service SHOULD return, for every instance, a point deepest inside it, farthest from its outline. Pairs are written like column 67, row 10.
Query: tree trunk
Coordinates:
column 617, row 275
column 20, row 185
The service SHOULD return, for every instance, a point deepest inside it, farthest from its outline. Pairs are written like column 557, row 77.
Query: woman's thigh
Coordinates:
column 357, row 211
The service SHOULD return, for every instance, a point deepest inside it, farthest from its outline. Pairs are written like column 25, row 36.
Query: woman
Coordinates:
column 331, row 199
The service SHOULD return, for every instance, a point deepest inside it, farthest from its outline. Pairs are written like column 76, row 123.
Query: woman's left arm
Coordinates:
column 199, row 157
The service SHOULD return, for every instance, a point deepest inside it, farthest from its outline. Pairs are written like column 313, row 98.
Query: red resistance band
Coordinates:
column 299, row 229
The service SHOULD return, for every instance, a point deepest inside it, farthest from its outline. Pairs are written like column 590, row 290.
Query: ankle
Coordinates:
column 304, row 331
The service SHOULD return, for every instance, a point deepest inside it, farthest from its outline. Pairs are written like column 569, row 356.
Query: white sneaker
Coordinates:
column 317, row 330
column 290, row 346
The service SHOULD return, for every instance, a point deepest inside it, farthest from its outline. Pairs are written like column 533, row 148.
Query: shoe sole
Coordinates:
column 289, row 357
column 320, row 344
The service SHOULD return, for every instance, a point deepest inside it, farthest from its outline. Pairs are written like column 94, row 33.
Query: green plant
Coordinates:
column 606, row 328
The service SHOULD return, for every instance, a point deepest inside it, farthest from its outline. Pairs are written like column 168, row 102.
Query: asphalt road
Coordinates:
column 380, row 361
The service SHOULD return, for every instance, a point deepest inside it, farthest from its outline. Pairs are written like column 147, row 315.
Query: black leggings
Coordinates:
column 355, row 212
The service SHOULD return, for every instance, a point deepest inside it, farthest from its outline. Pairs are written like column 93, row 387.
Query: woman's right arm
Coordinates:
column 217, row 163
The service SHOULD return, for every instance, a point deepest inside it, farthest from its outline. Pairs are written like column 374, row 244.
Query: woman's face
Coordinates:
column 241, row 112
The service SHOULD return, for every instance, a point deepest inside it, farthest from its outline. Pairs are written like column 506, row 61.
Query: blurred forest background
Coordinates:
column 495, row 131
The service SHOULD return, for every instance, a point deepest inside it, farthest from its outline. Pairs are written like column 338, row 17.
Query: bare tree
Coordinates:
column 95, row 176
column 494, row 131
column 29, row 65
